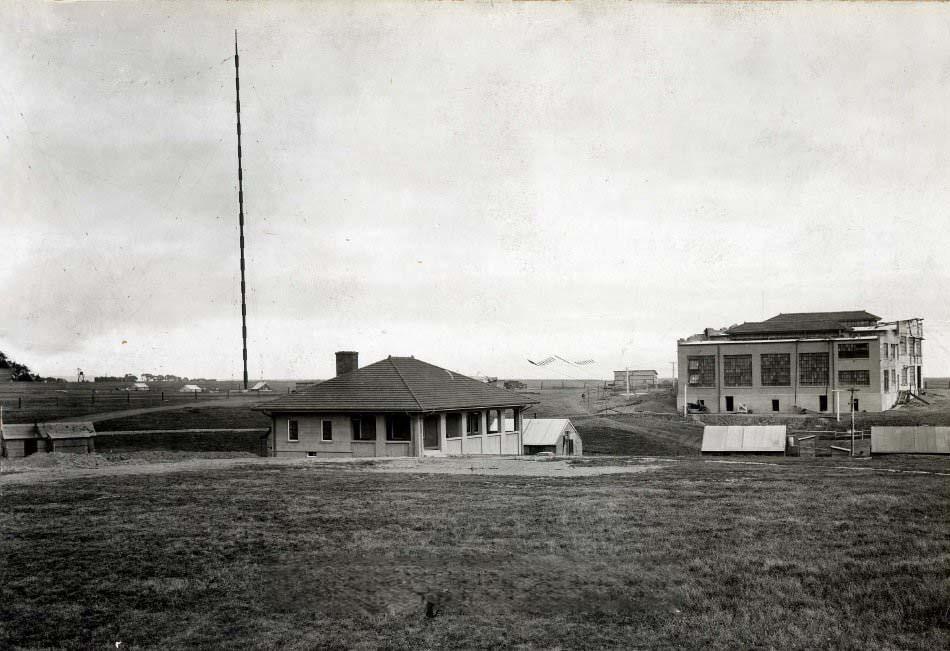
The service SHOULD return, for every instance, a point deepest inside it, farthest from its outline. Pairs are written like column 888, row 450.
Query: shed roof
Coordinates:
column 544, row 431
column 804, row 322
column 743, row 438
column 69, row 430
column 402, row 384
column 19, row 432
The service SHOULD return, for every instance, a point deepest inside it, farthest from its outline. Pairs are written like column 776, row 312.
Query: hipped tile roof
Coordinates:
column 803, row 322
column 398, row 384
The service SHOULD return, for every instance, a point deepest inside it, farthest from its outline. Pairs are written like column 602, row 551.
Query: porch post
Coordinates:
column 519, row 426
column 417, row 435
column 442, row 432
column 483, row 414
column 380, row 435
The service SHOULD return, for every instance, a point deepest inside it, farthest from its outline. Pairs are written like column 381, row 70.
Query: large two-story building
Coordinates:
column 802, row 361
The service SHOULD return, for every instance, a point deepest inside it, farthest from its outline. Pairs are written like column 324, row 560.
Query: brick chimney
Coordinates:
column 346, row 361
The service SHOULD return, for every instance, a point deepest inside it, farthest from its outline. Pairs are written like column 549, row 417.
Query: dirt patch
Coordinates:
column 517, row 466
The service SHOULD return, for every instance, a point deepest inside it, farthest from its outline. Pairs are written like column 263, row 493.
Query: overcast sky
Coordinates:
column 473, row 184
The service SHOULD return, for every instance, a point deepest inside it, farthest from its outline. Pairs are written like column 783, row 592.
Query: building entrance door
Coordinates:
column 729, row 404
column 430, row 432
column 822, row 403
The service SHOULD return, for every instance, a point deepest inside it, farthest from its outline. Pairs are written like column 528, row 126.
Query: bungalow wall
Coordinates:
column 451, row 436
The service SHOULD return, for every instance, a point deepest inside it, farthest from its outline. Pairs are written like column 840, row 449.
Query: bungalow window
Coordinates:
column 508, row 420
column 494, row 421
column 364, row 428
column 453, row 426
column 398, row 427
column 326, row 432
column 293, row 430
column 474, row 423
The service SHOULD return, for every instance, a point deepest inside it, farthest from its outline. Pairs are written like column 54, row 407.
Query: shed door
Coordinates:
column 430, row 432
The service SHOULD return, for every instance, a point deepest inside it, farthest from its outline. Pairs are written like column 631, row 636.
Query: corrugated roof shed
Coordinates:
column 544, row 431
column 71, row 430
column 401, row 384
column 744, row 438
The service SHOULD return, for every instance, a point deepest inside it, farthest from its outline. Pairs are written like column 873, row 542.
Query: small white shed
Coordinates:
column 190, row 388
column 744, row 438
column 555, row 435
column 262, row 387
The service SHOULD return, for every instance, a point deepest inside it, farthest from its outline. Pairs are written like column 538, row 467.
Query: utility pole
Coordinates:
column 627, row 373
column 237, row 93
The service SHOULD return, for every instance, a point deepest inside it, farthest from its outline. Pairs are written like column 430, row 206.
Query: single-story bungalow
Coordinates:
column 396, row 407
column 555, row 435
column 262, row 387
column 139, row 386
column 190, row 388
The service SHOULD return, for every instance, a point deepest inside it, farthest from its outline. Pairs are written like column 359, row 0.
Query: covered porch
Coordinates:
column 482, row 431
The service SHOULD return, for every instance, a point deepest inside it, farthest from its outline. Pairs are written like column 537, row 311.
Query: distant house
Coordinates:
column 639, row 378
column 396, row 407
column 139, row 386
column 261, row 387
column 190, row 388
column 555, row 435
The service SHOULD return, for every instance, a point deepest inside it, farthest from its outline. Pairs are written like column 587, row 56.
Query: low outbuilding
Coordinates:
column 190, row 388
column 262, row 387
column 76, row 437
column 718, row 439
column 556, row 435
column 20, row 440
column 139, row 386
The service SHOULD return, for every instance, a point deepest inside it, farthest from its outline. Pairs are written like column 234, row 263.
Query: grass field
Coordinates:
column 694, row 555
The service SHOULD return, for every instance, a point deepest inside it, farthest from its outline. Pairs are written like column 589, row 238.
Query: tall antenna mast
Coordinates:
column 237, row 91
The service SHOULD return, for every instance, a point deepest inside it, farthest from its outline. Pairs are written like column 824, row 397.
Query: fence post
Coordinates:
column 163, row 396
column 19, row 403
column 93, row 396
column 196, row 395
column 128, row 398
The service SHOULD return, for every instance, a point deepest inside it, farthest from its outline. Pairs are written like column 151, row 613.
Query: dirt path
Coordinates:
column 109, row 415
